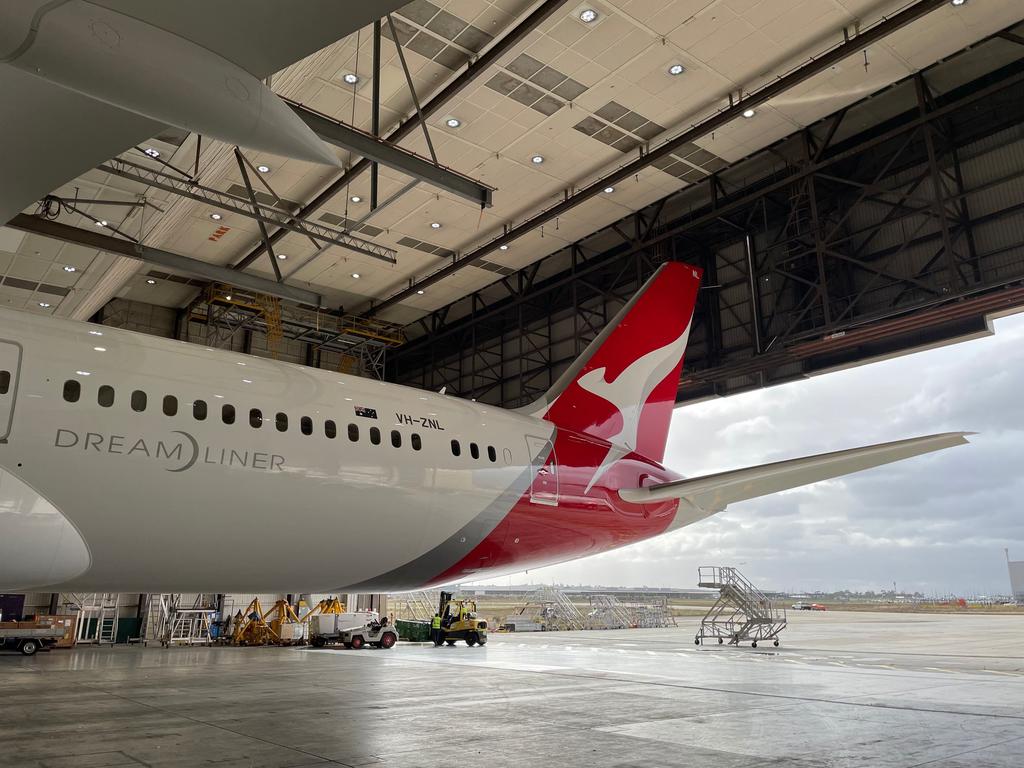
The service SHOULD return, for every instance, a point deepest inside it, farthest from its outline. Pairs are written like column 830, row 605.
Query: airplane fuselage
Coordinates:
column 136, row 463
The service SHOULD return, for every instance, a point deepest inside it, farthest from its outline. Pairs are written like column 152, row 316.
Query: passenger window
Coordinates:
column 491, row 454
column 396, row 438
column 353, row 433
column 199, row 410
column 282, row 422
column 72, row 390
column 227, row 413
column 474, row 450
column 255, row 418
column 5, row 382
column 416, row 442
column 170, row 405
column 374, row 435
column 330, row 429
column 105, row 397
column 138, row 401
column 306, row 425
column 456, row 448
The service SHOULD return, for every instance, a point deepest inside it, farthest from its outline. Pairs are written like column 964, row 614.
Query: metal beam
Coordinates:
column 537, row 17
column 736, row 109
column 95, row 239
column 384, row 152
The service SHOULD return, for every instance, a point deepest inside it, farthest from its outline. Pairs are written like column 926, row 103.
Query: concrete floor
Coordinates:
column 844, row 689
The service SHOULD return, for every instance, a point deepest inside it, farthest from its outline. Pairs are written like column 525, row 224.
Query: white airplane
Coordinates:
column 112, row 73
column 130, row 463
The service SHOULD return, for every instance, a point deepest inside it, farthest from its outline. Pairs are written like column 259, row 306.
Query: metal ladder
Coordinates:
column 741, row 613
column 97, row 617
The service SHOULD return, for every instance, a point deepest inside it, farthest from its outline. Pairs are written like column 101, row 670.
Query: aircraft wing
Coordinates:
column 715, row 492
column 260, row 36
column 49, row 135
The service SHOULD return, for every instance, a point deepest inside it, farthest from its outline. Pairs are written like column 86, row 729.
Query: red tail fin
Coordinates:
column 623, row 387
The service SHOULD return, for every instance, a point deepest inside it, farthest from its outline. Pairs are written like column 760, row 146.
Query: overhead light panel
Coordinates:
column 356, row 199
column 676, row 69
column 95, row 333
column 151, row 281
column 98, row 349
column 502, row 247
column 351, row 78
column 227, row 298
column 263, row 168
column 609, row 190
column 44, row 304
column 957, row 3
column 101, row 223
column 749, row 113
column 216, row 216
column 69, row 268
column 420, row 292
column 282, row 256
column 537, row 159
column 355, row 275
column 435, row 225
column 84, row 373
column 152, row 152
column 453, row 122
column 588, row 15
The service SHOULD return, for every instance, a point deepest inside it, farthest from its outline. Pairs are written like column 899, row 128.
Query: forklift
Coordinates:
column 459, row 622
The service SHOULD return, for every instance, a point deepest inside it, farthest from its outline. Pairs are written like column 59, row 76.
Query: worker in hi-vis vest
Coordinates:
column 435, row 627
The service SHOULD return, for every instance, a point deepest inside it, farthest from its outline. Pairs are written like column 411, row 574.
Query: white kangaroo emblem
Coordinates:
column 628, row 394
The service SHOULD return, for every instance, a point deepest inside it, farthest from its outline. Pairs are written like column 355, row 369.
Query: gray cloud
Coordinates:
column 936, row 523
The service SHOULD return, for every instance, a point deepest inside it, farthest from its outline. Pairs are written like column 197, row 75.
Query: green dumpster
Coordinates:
column 413, row 631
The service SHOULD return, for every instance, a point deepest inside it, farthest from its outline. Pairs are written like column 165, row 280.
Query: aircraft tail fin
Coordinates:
column 623, row 387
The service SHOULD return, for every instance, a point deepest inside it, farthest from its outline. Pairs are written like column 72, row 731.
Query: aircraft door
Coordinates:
column 10, row 365
column 544, row 471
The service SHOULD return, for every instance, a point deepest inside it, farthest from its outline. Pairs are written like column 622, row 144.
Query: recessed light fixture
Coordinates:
column 748, row 113
column 537, row 159
column 453, row 122
column 676, row 69
column 588, row 15
column 355, row 275
column 282, row 256
column 351, row 78
column 420, row 292
column 95, row 333
column 44, row 305
column 100, row 349
column 69, row 268
column 957, row 3
column 435, row 225
column 152, row 152
column 84, row 373
column 247, row 381
column 151, row 281
column 609, row 190
column 263, row 168
column 356, row 199
column 227, row 298
column 101, row 223
column 216, row 216
column 502, row 247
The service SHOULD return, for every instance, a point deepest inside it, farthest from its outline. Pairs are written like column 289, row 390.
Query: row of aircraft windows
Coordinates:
column 139, row 401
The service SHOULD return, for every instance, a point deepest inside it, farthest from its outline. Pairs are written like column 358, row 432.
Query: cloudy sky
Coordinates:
column 937, row 523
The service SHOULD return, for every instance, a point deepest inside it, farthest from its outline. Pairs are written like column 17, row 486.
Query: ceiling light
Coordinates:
column 537, row 159
column 453, row 122
column 227, row 298
column 282, row 256
column 435, row 225
column 609, row 190
column 749, row 112
column 100, row 349
column 101, row 223
column 151, row 281
column 263, row 168
column 588, row 15
column 502, row 247
column 216, row 216
column 69, row 268
column 84, row 373
column 151, row 152
column 351, row 78
column 420, row 292
column 247, row 381
column 356, row 199
column 676, row 69
column 95, row 333
column 957, row 3
column 355, row 275
column 44, row 305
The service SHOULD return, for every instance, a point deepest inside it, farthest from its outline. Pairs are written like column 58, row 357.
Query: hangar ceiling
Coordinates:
column 586, row 97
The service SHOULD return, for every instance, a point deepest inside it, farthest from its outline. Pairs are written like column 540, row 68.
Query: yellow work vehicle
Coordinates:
column 459, row 622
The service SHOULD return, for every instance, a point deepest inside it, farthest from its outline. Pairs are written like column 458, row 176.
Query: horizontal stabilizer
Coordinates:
column 715, row 492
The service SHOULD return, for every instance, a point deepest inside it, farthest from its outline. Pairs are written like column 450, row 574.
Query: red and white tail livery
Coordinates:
column 135, row 463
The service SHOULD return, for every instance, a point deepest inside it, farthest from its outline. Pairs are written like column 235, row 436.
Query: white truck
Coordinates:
column 353, row 630
column 28, row 640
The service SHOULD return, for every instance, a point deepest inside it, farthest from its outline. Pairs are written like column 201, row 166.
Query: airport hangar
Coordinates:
column 849, row 175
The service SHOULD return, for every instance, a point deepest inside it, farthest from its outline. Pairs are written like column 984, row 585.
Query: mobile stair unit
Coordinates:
column 741, row 613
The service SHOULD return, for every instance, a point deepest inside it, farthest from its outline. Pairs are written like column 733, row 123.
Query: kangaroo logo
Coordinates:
column 627, row 393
